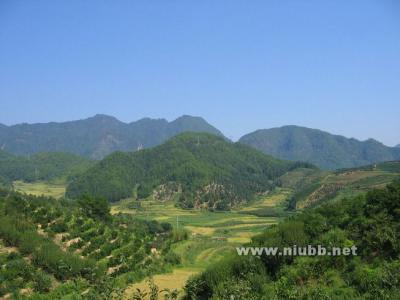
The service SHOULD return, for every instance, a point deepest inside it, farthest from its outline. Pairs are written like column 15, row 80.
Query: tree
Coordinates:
column 97, row 208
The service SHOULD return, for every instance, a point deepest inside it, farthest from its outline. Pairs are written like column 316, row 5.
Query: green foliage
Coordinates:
column 207, row 171
column 59, row 241
column 370, row 222
column 95, row 207
column 41, row 166
column 42, row 282
column 154, row 292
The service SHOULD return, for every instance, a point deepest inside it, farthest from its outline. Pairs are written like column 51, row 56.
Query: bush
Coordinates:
column 42, row 282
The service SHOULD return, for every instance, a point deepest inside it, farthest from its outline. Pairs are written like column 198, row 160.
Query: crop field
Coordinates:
column 56, row 190
column 212, row 235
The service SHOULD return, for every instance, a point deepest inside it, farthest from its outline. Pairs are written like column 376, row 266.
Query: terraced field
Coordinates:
column 212, row 235
column 319, row 187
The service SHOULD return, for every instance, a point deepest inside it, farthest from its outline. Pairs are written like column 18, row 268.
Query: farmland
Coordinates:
column 212, row 235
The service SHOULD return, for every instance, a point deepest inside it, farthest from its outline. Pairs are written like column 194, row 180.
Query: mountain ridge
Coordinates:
column 97, row 136
column 326, row 150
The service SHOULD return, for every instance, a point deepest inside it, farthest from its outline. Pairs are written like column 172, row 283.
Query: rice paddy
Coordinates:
column 56, row 190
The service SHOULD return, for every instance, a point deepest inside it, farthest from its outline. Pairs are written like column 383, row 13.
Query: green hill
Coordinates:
column 195, row 169
column 41, row 166
column 97, row 136
column 320, row 148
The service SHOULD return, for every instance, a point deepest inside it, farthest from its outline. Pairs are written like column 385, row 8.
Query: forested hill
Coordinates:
column 323, row 149
column 41, row 166
column 97, row 136
column 194, row 169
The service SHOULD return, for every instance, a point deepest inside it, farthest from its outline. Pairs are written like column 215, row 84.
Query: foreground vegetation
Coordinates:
column 370, row 222
column 54, row 248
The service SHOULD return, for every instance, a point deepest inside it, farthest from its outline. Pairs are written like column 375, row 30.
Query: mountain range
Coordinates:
column 323, row 149
column 97, row 136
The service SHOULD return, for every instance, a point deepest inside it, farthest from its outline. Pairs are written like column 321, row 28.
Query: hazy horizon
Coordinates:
column 241, row 66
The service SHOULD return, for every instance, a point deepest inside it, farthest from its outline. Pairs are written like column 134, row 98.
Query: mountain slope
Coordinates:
column 195, row 169
column 41, row 166
column 315, row 187
column 96, row 137
column 318, row 147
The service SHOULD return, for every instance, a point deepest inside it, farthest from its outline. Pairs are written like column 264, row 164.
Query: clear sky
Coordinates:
column 242, row 65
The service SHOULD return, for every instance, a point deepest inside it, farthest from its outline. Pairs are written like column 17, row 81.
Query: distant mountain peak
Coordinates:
column 103, row 117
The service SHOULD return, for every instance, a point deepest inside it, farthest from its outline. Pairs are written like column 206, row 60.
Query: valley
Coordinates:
column 211, row 235
column 160, row 217
column 199, row 150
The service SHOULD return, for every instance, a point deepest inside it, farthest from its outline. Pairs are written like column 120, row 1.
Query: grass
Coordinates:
column 56, row 190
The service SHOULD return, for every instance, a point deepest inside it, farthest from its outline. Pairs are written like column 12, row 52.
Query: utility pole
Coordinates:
column 177, row 222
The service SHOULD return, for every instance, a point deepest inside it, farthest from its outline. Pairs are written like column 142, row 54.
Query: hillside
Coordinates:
column 41, row 166
column 314, row 187
column 195, row 169
column 367, row 225
column 52, row 249
column 320, row 148
column 97, row 136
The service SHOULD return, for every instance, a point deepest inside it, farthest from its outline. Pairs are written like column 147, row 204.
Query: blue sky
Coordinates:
column 242, row 65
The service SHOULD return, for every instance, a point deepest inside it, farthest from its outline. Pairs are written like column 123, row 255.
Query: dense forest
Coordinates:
column 59, row 249
column 370, row 222
column 41, row 166
column 198, row 169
